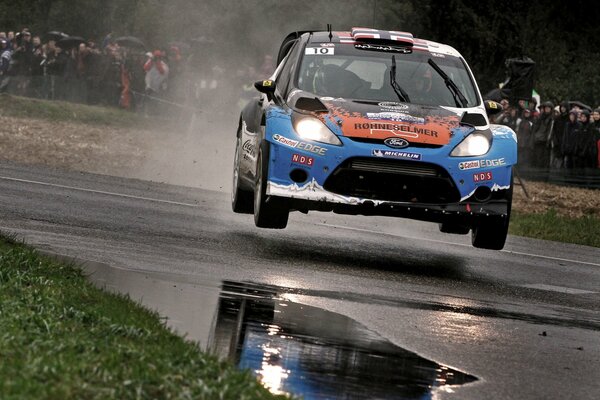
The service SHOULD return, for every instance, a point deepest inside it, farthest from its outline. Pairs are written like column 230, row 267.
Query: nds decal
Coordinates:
column 396, row 154
column 483, row 177
column 304, row 160
column 396, row 117
column 313, row 148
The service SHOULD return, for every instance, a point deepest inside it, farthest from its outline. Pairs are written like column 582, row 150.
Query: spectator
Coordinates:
column 54, row 69
column 596, row 121
column 38, row 59
column 5, row 57
column 584, row 152
column 560, row 121
column 569, row 140
column 524, row 138
column 505, row 104
column 541, row 131
column 509, row 117
column 92, row 58
column 157, row 73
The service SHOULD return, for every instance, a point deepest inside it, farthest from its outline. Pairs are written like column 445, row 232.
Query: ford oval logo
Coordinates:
column 396, row 143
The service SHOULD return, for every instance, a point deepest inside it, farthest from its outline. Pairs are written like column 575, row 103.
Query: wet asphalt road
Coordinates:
column 525, row 321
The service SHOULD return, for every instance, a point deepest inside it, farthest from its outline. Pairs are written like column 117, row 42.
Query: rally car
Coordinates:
column 372, row 122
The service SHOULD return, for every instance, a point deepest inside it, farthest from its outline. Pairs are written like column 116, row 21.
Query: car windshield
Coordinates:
column 342, row 70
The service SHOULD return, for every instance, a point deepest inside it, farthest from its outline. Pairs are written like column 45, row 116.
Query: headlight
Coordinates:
column 475, row 144
column 311, row 128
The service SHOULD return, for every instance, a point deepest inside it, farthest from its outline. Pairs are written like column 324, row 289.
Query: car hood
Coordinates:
column 381, row 120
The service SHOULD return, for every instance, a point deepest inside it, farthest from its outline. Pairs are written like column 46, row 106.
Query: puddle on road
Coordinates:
column 290, row 347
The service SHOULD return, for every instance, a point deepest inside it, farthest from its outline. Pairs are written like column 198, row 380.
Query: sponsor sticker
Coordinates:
column 396, row 117
column 396, row 154
column 312, row 148
column 397, row 143
column 285, row 141
column 396, row 129
column 319, row 51
column 248, row 149
column 366, row 46
column 304, row 160
column 469, row 165
column 482, row 176
column 496, row 162
column 392, row 106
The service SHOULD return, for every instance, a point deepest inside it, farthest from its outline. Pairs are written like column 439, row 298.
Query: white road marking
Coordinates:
column 465, row 245
column 327, row 225
column 127, row 196
column 560, row 289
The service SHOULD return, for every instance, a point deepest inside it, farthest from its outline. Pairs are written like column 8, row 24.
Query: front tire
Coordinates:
column 269, row 212
column 241, row 200
column 491, row 232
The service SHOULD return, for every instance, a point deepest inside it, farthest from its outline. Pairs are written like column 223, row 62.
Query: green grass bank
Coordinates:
column 552, row 226
column 62, row 338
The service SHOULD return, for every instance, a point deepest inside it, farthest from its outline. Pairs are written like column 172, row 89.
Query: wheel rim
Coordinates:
column 258, row 186
column 236, row 170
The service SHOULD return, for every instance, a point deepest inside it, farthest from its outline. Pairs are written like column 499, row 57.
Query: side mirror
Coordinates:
column 492, row 107
column 267, row 87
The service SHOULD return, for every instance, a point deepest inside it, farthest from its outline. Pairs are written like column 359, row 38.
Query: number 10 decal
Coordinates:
column 319, row 51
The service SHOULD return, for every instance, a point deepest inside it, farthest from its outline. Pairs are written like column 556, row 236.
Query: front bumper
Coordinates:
column 366, row 178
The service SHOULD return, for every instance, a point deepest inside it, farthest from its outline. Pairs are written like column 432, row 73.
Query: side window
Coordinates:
column 283, row 79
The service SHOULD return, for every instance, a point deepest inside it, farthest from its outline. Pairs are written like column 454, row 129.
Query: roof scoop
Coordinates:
column 312, row 104
column 380, row 36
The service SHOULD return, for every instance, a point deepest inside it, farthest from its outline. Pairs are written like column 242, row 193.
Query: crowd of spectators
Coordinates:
column 565, row 136
column 114, row 71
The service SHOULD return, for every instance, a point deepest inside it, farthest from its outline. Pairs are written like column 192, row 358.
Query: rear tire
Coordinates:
column 491, row 232
column 241, row 200
column 269, row 211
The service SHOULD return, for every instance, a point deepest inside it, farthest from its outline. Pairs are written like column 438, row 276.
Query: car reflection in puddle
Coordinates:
column 307, row 351
column 291, row 347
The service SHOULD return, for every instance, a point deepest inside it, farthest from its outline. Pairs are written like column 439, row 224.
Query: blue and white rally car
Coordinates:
column 373, row 122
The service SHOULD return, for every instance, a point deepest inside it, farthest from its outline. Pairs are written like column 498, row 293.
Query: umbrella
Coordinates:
column 580, row 105
column 131, row 42
column 56, row 35
column 497, row 94
column 70, row 42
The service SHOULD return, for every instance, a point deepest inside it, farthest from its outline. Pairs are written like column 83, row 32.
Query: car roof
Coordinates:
column 377, row 36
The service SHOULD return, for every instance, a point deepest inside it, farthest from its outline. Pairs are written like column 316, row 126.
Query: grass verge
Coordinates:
column 16, row 106
column 552, row 226
column 62, row 338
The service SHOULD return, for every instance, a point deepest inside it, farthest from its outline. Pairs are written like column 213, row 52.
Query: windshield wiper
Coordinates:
column 402, row 95
column 459, row 98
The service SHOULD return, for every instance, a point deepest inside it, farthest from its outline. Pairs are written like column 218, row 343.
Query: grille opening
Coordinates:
column 393, row 180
